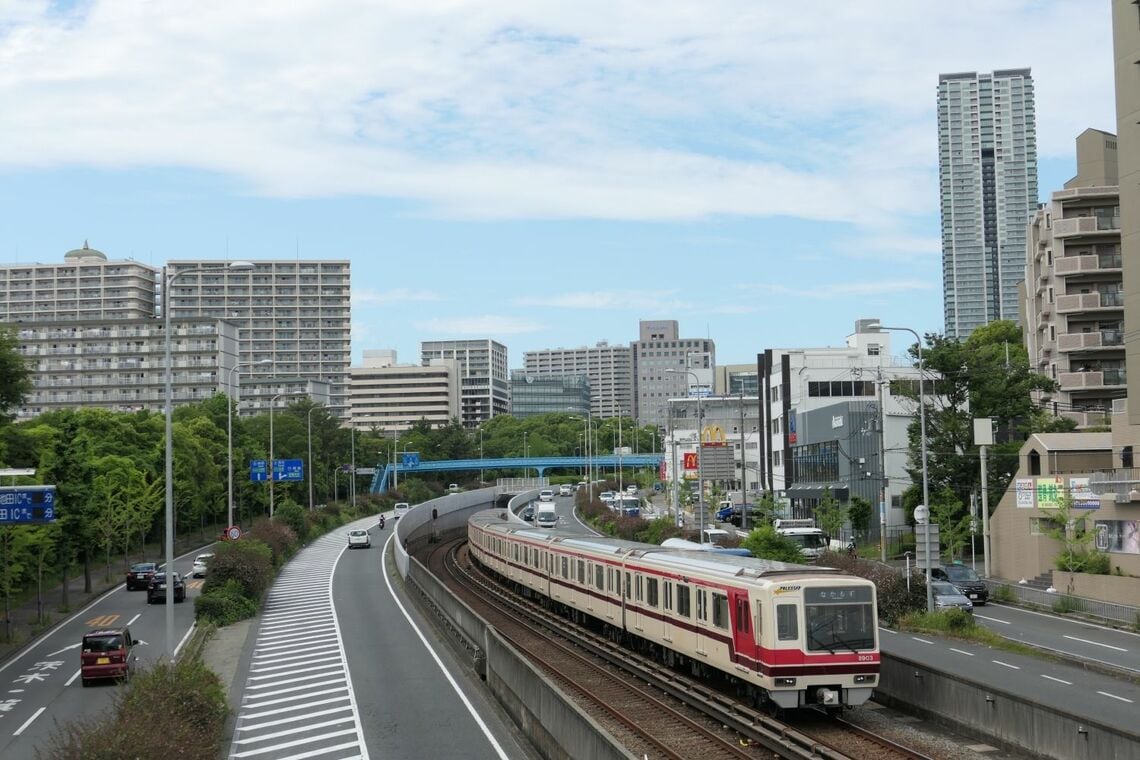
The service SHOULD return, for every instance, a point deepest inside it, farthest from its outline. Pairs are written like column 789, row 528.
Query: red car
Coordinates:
column 107, row 653
column 138, row 577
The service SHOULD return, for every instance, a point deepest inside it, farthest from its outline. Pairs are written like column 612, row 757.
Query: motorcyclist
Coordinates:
column 381, row 522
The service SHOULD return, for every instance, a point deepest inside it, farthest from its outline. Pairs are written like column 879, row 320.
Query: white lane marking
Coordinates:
column 295, row 730
column 888, row 630
column 15, row 691
column 921, row 641
column 427, row 645
column 991, row 619
column 289, row 667
column 299, row 641
column 28, row 722
column 257, row 701
column 1096, row 643
column 132, row 620
column 1006, row 665
column 322, row 751
column 289, row 680
column 303, row 706
column 1058, row 680
column 315, row 714
column 960, row 651
column 1113, row 696
column 294, row 619
column 297, row 743
column 72, row 679
column 61, row 651
column 293, row 670
column 184, row 638
column 321, row 650
column 1059, row 619
column 291, row 633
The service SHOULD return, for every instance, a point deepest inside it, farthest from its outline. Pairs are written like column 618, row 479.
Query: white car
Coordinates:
column 564, row 490
column 359, row 537
column 546, row 494
column 198, row 569
column 401, row 509
column 631, row 488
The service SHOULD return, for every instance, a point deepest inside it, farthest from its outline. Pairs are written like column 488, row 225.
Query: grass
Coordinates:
column 961, row 625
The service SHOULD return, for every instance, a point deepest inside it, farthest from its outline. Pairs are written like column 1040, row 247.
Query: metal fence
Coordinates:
column 1059, row 601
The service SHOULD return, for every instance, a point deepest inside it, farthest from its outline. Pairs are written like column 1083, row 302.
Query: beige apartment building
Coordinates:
column 389, row 398
column 1074, row 306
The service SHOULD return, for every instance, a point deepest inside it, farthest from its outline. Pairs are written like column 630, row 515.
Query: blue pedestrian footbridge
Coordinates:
column 382, row 478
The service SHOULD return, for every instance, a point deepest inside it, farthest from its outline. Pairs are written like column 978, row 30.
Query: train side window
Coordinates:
column 651, row 591
column 683, row 600
column 640, row 588
column 786, row 627
column 582, row 572
column 742, row 615
column 565, row 567
column 702, row 605
column 667, row 596
column 720, row 611
column 759, row 620
column 600, row 577
column 628, row 586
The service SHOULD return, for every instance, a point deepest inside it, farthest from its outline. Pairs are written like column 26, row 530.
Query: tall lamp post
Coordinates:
column 230, row 437
column 480, row 457
column 700, row 454
column 922, row 442
column 169, row 279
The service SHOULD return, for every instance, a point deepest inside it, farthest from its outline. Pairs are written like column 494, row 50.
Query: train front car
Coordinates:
column 818, row 639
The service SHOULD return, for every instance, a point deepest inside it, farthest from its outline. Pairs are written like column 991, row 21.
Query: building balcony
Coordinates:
column 1111, row 340
column 1090, row 264
column 1086, row 225
column 1069, row 304
column 1048, row 346
column 1092, row 380
column 1089, row 419
column 1108, row 191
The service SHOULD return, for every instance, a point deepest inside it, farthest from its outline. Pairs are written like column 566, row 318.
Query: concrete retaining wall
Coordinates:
column 451, row 512
column 1009, row 719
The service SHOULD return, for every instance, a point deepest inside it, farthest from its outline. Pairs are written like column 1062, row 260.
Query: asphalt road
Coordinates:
column 40, row 688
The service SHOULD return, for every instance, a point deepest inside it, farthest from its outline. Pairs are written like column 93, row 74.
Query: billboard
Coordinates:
column 1081, row 492
column 1025, row 489
column 1049, row 492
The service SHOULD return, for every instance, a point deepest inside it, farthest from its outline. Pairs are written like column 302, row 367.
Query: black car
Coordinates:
column 156, row 589
column 527, row 513
column 964, row 579
column 138, row 577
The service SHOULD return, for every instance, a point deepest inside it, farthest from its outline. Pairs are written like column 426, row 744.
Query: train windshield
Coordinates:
column 840, row 618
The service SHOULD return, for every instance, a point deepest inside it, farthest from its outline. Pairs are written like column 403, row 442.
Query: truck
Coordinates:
column 811, row 540
column 547, row 516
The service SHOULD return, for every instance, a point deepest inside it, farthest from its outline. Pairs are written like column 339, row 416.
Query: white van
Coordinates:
column 400, row 509
column 546, row 494
column 547, row 516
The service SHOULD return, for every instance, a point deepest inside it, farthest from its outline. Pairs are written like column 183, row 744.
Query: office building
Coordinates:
column 667, row 366
column 987, row 166
column 857, row 380
column 730, row 423
column 532, row 395
column 294, row 313
column 1074, row 304
column 483, row 381
column 734, row 379
column 608, row 370
column 390, row 398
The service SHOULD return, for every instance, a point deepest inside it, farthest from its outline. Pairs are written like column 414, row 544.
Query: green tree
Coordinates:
column 953, row 525
column 15, row 375
column 1072, row 528
column 859, row 513
column 765, row 543
column 830, row 514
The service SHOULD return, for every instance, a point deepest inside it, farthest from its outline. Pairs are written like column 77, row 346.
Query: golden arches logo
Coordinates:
column 713, row 435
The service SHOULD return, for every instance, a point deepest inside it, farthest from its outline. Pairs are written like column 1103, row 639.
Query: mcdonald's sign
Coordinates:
column 691, row 460
column 713, row 435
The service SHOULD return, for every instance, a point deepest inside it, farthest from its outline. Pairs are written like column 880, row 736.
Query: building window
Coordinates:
column 873, row 349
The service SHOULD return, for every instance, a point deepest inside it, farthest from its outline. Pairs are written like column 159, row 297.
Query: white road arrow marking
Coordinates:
column 61, row 651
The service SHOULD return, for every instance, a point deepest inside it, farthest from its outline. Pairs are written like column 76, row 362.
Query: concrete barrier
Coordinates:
column 450, row 511
column 1012, row 720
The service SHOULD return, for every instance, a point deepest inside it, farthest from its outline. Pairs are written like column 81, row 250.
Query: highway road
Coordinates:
column 40, row 688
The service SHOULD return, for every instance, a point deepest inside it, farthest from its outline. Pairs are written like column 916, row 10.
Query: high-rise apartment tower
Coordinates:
column 987, row 166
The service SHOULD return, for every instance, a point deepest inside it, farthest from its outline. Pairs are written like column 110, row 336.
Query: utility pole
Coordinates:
column 882, row 468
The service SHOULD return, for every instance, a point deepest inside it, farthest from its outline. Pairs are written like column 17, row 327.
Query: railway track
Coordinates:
column 609, row 681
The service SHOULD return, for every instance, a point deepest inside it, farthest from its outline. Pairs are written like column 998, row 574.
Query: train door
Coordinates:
column 744, row 648
column 702, row 620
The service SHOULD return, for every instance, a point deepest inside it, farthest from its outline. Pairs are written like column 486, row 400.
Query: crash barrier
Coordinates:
column 1012, row 720
column 424, row 523
column 517, row 503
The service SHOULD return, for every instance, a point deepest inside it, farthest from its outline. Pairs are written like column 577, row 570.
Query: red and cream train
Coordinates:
column 792, row 635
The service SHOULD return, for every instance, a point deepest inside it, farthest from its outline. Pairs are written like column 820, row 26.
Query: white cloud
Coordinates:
column 373, row 297
column 840, row 289
column 539, row 109
column 482, row 326
column 599, row 299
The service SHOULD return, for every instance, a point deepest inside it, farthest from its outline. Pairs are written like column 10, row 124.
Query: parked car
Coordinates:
column 106, row 653
column 138, row 577
column 527, row 513
column 198, row 569
column 965, row 580
column 564, row 490
column 156, row 589
column 946, row 597
column 359, row 537
column 401, row 509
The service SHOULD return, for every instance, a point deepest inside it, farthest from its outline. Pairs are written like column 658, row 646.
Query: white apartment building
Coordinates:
column 667, row 366
column 120, row 364
column 484, row 381
column 293, row 316
column 731, row 420
column 1074, row 288
column 389, row 398
column 987, row 166
column 609, row 370
column 799, row 381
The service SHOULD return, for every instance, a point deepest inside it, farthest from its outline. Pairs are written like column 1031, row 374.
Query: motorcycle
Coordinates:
column 381, row 522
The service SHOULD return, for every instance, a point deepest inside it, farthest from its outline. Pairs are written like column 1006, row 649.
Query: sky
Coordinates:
column 539, row 172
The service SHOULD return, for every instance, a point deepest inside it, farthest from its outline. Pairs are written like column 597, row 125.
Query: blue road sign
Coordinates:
column 410, row 459
column 258, row 470
column 288, row 469
column 27, row 504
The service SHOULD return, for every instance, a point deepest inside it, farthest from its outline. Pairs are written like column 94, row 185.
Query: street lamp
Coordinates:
column 700, row 454
column 230, row 437
column 922, row 440
column 480, row 457
column 525, row 469
column 586, row 430
column 169, row 279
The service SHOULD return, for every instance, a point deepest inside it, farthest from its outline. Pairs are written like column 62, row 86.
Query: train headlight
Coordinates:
column 785, row 682
column 864, row 679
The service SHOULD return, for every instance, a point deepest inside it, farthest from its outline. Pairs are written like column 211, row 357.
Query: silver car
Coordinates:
column 198, row 569
column 946, row 597
column 359, row 538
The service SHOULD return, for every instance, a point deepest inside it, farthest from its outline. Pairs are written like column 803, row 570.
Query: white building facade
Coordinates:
column 609, row 370
column 389, row 398
column 484, row 381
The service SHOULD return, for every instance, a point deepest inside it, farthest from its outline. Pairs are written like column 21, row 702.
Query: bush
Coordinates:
column 1066, row 603
column 278, row 536
column 895, row 600
column 1092, row 562
column 766, row 543
column 290, row 513
column 187, row 695
column 1003, row 593
column 248, row 563
column 224, row 605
